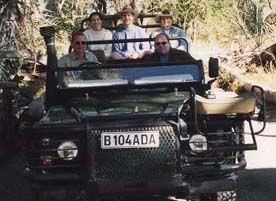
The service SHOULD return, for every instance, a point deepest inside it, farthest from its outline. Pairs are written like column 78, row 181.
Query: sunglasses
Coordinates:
column 161, row 43
column 80, row 42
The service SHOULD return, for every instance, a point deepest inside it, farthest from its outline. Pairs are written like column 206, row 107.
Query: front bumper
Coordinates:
column 179, row 186
column 160, row 186
column 214, row 169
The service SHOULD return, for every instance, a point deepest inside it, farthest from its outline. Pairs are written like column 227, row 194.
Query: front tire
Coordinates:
column 219, row 196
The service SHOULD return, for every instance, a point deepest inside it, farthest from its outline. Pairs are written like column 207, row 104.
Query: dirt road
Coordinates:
column 258, row 181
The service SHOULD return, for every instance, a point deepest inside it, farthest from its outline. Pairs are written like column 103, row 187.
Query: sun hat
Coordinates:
column 165, row 13
column 128, row 9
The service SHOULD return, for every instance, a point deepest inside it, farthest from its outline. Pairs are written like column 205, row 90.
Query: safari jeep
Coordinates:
column 136, row 130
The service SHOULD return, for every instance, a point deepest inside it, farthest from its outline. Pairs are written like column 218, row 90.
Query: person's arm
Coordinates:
column 108, row 47
column 182, row 34
column 116, row 46
column 86, row 34
column 144, row 47
column 91, row 57
column 66, row 76
column 61, row 62
column 180, row 55
column 94, row 58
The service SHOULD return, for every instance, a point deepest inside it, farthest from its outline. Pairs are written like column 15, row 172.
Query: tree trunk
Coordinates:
column 9, row 17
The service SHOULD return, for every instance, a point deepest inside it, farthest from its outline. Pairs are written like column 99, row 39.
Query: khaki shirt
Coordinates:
column 71, row 60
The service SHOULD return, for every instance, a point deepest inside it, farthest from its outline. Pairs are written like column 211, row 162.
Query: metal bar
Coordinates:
column 235, row 148
column 263, row 109
column 48, row 129
column 8, row 85
column 129, row 64
column 129, row 40
column 194, row 169
column 252, row 132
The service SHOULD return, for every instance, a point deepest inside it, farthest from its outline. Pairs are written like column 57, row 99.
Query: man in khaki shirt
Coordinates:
column 77, row 56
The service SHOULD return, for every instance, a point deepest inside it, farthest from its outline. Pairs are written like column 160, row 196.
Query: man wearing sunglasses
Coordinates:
column 164, row 53
column 78, row 55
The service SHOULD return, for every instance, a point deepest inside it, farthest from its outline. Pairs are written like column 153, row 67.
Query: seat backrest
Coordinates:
column 125, row 61
column 100, row 55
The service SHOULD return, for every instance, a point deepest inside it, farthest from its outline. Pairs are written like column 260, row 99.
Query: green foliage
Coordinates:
column 252, row 18
column 226, row 21
column 8, row 67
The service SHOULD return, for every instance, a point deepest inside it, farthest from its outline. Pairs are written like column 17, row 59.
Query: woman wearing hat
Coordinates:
column 128, row 31
column 166, row 21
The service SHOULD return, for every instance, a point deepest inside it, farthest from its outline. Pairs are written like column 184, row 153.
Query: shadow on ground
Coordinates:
column 13, row 186
column 257, row 185
column 271, row 113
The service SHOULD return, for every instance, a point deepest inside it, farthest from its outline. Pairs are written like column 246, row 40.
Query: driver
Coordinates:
column 77, row 56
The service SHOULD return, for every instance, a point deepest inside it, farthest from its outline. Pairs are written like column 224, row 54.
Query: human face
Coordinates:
column 162, row 45
column 127, row 19
column 78, row 45
column 96, row 22
column 166, row 22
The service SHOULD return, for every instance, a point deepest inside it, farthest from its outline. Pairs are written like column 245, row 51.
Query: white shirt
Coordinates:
column 103, row 34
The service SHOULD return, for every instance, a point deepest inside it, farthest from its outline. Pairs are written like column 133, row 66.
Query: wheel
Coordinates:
column 39, row 196
column 219, row 196
column 227, row 195
column 60, row 196
column 209, row 197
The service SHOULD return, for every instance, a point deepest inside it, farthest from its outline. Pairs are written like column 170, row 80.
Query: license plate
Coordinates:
column 134, row 139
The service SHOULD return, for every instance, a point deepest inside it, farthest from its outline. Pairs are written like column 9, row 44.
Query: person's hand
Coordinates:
column 134, row 56
column 128, row 55
column 147, row 52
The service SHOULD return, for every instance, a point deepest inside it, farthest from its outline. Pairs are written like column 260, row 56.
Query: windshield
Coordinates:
column 135, row 75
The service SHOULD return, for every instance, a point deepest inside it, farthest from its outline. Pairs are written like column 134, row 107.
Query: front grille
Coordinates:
column 133, row 164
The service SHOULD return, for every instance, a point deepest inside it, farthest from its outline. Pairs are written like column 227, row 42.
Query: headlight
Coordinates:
column 198, row 143
column 68, row 150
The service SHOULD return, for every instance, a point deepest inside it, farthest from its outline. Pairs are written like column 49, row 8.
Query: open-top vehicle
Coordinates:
column 136, row 129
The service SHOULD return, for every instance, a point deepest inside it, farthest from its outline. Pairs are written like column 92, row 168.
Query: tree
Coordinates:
column 9, row 17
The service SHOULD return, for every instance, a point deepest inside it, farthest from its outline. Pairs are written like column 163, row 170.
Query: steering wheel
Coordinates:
column 90, row 63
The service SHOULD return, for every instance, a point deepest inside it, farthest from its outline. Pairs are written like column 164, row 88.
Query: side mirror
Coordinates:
column 213, row 67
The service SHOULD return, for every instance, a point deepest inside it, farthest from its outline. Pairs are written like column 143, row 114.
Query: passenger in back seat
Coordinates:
column 128, row 30
column 166, row 20
column 98, row 33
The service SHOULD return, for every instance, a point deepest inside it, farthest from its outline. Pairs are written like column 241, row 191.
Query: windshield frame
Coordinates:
column 191, row 64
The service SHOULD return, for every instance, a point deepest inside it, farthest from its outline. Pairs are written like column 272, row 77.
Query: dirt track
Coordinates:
column 258, row 181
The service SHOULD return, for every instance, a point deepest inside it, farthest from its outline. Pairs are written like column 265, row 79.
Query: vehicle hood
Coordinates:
column 115, row 105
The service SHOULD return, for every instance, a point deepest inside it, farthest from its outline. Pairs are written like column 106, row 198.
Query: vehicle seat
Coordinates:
column 125, row 61
column 226, row 104
column 100, row 55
